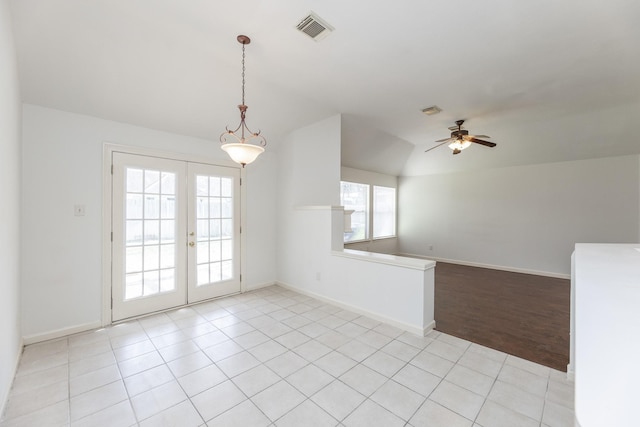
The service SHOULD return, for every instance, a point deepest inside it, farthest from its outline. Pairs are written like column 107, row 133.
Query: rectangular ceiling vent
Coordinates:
column 430, row 111
column 315, row 27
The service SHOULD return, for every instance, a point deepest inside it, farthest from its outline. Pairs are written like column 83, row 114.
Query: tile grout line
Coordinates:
column 69, row 380
column 235, row 306
column 486, row 398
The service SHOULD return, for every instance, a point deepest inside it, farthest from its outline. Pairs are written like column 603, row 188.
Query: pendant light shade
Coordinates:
column 243, row 145
column 242, row 153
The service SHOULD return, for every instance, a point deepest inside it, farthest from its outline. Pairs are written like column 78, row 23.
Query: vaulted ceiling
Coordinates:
column 548, row 80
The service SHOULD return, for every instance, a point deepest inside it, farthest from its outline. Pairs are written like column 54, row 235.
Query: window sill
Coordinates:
column 356, row 241
column 384, row 238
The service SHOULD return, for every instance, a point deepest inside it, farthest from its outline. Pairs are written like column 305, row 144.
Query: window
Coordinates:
column 364, row 199
column 354, row 196
column 384, row 212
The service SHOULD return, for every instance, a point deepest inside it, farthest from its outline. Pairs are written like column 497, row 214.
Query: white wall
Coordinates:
column 260, row 187
column 62, row 166
column 367, row 177
column 315, row 166
column 524, row 218
column 308, row 175
column 382, row 246
column 10, row 116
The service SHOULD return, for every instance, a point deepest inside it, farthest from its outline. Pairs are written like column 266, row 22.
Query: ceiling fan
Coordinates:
column 460, row 139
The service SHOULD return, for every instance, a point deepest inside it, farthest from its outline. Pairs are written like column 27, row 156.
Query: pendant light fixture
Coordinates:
column 245, row 146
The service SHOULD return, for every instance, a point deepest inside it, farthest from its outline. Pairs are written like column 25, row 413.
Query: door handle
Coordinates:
column 192, row 244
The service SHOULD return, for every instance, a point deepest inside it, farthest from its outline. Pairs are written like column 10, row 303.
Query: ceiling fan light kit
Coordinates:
column 459, row 144
column 460, row 139
column 241, row 144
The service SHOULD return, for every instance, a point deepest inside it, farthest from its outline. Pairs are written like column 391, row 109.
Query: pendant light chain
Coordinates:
column 243, row 46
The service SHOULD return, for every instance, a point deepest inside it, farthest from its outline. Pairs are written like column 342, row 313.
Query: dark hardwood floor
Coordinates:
column 520, row 314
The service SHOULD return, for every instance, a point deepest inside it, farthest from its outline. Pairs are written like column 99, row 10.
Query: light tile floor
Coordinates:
column 274, row 357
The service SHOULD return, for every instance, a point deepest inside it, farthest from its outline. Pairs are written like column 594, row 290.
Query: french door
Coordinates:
column 176, row 233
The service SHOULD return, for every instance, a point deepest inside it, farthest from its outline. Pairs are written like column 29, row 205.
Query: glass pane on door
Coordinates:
column 150, row 225
column 214, row 225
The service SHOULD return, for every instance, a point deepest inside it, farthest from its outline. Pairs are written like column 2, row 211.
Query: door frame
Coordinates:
column 108, row 150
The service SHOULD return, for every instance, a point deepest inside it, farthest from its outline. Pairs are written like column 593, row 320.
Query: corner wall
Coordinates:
column 10, row 117
column 525, row 218
column 310, row 256
column 308, row 175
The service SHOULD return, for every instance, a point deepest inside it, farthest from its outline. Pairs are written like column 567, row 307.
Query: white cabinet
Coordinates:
column 607, row 349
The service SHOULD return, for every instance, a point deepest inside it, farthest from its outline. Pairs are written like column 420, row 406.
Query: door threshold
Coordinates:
column 177, row 307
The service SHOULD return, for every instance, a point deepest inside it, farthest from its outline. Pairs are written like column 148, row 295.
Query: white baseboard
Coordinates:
column 571, row 373
column 490, row 266
column 59, row 333
column 428, row 328
column 4, row 394
column 248, row 288
column 414, row 329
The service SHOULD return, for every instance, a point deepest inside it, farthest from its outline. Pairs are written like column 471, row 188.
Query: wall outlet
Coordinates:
column 318, row 276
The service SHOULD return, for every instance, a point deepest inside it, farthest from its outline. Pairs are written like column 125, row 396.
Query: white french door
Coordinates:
column 176, row 233
column 214, row 231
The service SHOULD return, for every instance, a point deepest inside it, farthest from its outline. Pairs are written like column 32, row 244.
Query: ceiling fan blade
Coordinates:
column 432, row 148
column 442, row 140
column 480, row 136
column 481, row 142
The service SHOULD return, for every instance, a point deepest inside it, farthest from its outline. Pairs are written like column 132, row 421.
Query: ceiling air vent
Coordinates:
column 430, row 111
column 314, row 27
